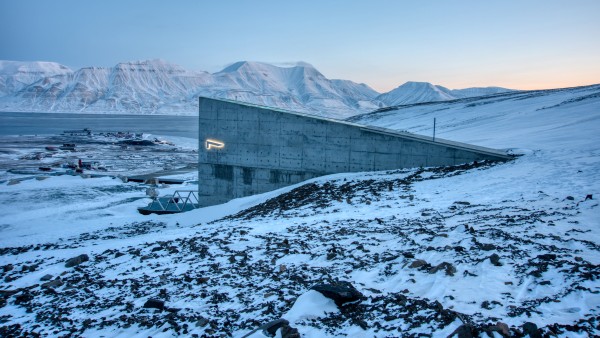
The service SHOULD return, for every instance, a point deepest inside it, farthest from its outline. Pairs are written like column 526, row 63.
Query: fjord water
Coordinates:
column 56, row 123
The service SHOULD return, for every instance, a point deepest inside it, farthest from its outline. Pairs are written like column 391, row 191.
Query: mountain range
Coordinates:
column 159, row 87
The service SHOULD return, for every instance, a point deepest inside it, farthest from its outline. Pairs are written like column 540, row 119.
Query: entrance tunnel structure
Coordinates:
column 247, row 149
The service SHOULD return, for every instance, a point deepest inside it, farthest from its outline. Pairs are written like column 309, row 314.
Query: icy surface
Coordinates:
column 429, row 248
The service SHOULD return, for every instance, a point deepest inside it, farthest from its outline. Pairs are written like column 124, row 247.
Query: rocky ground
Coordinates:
column 24, row 156
column 420, row 267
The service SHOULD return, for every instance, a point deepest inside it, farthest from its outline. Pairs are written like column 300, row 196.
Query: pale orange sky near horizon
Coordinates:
column 512, row 81
column 534, row 44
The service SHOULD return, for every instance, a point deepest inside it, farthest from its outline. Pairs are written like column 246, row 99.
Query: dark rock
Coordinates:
column 532, row 330
column 154, row 304
column 8, row 293
column 463, row 331
column 588, row 197
column 28, row 268
column 53, row 284
column 495, row 259
column 500, row 328
column 7, row 267
column 271, row 327
column 340, row 292
column 417, row 263
column 46, row 278
column 408, row 255
column 578, row 259
column 488, row 247
column 202, row 322
column 547, row 257
column 289, row 332
column 25, row 297
column 447, row 267
column 71, row 262
column 570, row 198
column 137, row 142
column 503, row 329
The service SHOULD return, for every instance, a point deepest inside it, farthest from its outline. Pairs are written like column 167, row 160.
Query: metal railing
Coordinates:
column 180, row 201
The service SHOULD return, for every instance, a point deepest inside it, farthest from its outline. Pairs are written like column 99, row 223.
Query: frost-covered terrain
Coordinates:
column 499, row 248
column 158, row 87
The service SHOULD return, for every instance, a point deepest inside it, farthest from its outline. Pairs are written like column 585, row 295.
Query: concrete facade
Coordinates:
column 247, row 149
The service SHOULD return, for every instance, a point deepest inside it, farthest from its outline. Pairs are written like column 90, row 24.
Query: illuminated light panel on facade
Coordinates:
column 210, row 144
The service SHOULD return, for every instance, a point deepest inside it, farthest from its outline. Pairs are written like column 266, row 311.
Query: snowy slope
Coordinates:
column 494, row 121
column 418, row 92
column 510, row 246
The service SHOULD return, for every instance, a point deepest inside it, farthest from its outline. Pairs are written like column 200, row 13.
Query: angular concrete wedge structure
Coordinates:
column 247, row 149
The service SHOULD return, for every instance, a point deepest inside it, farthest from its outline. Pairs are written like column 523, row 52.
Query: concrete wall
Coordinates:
column 265, row 149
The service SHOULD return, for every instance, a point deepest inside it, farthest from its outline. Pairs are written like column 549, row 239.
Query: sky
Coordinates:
column 516, row 44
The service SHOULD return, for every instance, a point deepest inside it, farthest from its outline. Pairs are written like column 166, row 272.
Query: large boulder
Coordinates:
column 532, row 330
column 445, row 266
column 71, row 262
column 154, row 304
column 339, row 292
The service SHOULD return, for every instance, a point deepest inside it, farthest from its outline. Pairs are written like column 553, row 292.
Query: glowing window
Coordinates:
column 210, row 144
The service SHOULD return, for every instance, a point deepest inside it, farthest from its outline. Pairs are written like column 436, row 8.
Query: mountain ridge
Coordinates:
column 159, row 87
column 418, row 92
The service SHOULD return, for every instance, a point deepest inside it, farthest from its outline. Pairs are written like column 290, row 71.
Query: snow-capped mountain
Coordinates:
column 157, row 87
column 132, row 87
column 417, row 92
column 294, row 87
column 16, row 75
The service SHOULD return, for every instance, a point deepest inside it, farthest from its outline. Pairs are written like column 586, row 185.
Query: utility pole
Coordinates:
column 434, row 129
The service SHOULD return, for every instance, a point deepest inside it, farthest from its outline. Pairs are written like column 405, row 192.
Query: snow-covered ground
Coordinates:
column 430, row 249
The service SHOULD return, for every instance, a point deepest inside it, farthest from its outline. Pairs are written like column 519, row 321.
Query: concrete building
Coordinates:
column 247, row 149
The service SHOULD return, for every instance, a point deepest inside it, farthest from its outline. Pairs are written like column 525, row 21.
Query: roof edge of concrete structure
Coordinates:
column 379, row 130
